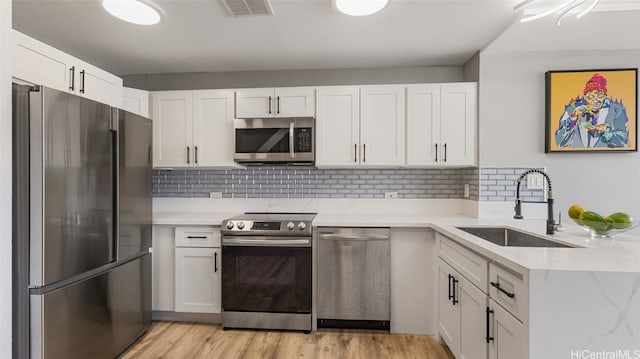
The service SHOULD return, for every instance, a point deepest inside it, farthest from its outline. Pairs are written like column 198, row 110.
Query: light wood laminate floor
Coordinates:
column 197, row 340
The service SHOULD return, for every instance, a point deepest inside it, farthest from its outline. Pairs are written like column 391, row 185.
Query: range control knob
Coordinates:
column 302, row 226
column 229, row 225
column 240, row 225
column 291, row 226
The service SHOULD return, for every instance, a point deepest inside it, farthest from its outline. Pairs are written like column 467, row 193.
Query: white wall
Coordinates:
column 511, row 129
column 5, row 180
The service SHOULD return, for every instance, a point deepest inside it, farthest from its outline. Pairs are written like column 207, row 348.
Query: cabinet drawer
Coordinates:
column 197, row 237
column 509, row 289
column 470, row 265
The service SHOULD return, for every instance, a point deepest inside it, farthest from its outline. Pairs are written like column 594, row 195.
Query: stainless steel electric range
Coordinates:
column 266, row 271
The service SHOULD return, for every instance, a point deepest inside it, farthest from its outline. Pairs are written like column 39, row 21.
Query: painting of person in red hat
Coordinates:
column 593, row 120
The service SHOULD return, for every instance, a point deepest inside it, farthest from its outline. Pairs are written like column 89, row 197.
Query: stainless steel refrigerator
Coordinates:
column 81, row 226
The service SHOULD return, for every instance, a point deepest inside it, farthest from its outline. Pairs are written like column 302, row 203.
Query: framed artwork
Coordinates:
column 591, row 110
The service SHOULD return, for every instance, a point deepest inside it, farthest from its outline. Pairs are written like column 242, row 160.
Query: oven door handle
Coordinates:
column 264, row 241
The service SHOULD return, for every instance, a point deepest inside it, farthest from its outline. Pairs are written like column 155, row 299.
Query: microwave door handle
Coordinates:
column 292, row 151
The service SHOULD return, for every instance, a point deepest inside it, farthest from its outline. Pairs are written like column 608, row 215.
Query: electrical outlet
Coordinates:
column 534, row 181
column 215, row 194
column 391, row 195
column 466, row 190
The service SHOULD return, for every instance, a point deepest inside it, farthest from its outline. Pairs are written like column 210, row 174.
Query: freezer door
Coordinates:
column 134, row 197
column 71, row 186
column 95, row 318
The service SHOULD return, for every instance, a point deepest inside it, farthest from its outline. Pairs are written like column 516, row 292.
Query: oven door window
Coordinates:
column 266, row 279
column 273, row 140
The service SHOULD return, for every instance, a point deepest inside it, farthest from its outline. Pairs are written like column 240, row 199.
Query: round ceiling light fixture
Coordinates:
column 360, row 7
column 139, row 12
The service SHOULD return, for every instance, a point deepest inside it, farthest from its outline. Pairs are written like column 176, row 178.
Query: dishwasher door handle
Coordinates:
column 340, row 237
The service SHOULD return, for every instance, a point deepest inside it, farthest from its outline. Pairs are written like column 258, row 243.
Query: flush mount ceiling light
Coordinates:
column 360, row 7
column 563, row 8
column 140, row 12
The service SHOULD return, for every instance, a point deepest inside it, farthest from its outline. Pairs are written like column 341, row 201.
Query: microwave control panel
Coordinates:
column 303, row 140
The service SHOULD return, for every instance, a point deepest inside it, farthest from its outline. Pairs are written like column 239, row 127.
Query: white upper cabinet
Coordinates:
column 193, row 128
column 360, row 126
column 382, row 119
column 213, row 137
column 458, row 123
column 423, row 124
column 337, row 126
column 135, row 101
column 172, row 128
column 441, row 124
column 41, row 64
column 275, row 102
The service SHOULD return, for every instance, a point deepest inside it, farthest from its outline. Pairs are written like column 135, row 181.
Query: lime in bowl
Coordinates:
column 599, row 226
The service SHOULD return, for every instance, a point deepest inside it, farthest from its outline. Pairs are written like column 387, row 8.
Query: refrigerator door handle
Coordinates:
column 115, row 175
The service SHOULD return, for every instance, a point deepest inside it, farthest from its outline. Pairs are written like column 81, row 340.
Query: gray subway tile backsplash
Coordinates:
column 499, row 184
column 485, row 184
column 309, row 182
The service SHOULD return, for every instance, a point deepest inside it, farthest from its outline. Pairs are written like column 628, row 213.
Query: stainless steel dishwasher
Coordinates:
column 353, row 288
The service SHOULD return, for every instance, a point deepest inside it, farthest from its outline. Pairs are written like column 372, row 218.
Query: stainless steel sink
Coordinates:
column 508, row 237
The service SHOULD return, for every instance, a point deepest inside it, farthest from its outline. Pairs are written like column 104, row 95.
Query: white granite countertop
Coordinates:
column 598, row 255
column 619, row 255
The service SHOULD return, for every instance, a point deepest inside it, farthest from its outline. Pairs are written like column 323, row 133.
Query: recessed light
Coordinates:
column 360, row 7
column 134, row 11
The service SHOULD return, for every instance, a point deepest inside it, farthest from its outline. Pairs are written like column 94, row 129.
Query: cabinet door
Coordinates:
column 473, row 321
column 213, row 138
column 448, row 312
column 458, row 123
column 423, row 125
column 195, row 273
column 294, row 102
column 39, row 63
column 98, row 85
column 135, row 101
column 162, row 273
column 255, row 103
column 509, row 336
column 382, row 125
column 172, row 129
column 337, row 126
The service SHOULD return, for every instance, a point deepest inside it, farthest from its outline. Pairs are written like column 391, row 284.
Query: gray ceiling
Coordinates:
column 199, row 36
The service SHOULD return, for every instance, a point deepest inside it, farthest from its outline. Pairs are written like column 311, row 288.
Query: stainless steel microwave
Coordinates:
column 275, row 140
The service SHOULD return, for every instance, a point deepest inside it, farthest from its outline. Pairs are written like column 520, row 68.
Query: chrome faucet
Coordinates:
column 551, row 224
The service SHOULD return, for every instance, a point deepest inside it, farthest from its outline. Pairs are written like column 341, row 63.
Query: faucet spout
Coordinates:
column 551, row 224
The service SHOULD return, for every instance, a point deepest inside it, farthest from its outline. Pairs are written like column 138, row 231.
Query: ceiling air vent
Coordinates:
column 248, row 7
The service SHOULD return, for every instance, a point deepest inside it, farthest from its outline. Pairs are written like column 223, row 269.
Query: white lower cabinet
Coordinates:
column 448, row 311
column 462, row 314
column 197, row 269
column 508, row 335
column 471, row 322
column 197, row 280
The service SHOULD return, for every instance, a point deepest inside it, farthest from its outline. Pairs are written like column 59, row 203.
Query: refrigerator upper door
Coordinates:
column 135, row 184
column 71, row 185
